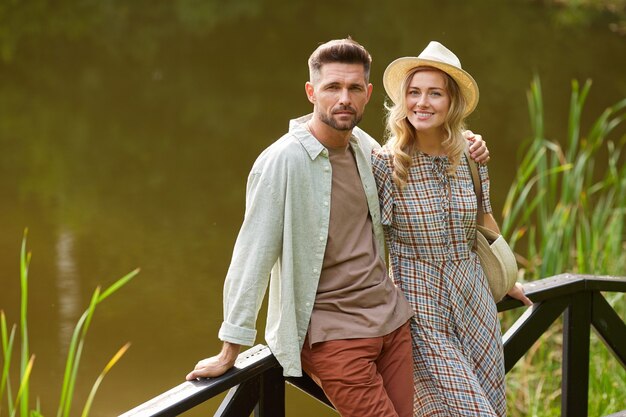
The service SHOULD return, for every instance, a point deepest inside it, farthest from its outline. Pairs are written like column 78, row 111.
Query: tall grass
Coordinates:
column 565, row 212
column 20, row 401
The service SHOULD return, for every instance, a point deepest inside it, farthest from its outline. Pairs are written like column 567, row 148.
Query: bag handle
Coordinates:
column 478, row 189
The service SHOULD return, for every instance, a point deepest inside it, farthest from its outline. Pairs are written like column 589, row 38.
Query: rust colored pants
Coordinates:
column 371, row 377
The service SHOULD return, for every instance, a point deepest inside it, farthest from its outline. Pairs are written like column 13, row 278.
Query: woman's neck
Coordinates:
column 431, row 144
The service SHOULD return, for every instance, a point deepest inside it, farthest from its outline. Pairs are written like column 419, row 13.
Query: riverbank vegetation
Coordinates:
column 586, row 11
column 565, row 211
column 17, row 398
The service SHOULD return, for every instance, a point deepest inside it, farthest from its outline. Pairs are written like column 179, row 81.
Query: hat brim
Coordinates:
column 398, row 69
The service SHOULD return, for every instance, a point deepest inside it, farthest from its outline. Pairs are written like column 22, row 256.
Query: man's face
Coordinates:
column 339, row 95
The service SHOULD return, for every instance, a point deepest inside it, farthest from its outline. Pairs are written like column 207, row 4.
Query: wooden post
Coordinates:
column 271, row 395
column 575, row 382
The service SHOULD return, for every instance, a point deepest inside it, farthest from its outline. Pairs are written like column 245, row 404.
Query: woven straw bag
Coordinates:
column 495, row 254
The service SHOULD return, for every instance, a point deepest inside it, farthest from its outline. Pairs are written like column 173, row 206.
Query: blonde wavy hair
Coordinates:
column 402, row 138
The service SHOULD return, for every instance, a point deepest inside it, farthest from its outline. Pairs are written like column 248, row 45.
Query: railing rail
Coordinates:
column 578, row 298
column 256, row 382
column 249, row 368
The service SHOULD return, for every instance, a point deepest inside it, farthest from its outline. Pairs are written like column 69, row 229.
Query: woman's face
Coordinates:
column 427, row 101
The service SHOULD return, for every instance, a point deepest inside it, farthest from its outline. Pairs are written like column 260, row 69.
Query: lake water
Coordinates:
column 127, row 130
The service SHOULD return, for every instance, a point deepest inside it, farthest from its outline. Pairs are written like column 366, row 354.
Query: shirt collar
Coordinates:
column 313, row 146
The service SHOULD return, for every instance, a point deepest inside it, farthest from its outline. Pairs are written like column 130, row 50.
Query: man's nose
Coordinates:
column 344, row 97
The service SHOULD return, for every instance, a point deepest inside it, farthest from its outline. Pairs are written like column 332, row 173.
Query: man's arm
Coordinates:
column 256, row 250
column 477, row 147
column 216, row 365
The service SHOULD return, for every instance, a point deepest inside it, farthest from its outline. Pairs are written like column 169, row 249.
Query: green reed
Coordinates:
column 20, row 401
column 565, row 212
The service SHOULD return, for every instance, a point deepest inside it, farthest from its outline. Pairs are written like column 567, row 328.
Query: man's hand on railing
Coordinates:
column 216, row 365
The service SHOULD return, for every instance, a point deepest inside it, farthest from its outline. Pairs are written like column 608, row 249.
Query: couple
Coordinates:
column 314, row 220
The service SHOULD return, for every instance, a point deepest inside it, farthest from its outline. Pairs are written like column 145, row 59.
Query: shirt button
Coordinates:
column 308, row 304
column 315, row 270
column 326, row 203
column 321, row 238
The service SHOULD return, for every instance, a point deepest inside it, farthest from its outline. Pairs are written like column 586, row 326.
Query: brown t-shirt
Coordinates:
column 355, row 297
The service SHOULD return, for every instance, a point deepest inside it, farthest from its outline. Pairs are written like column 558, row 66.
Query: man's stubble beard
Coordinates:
column 335, row 125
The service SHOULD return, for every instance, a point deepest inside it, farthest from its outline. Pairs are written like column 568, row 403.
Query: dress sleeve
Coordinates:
column 484, row 179
column 384, row 184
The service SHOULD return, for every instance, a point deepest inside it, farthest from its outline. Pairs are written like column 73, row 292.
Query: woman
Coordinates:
column 428, row 208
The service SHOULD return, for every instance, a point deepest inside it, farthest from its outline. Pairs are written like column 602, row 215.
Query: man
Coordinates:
column 312, row 219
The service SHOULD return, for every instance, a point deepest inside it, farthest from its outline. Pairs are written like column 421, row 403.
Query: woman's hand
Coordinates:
column 517, row 292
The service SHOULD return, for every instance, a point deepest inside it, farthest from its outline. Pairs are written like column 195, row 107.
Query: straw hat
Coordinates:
column 438, row 56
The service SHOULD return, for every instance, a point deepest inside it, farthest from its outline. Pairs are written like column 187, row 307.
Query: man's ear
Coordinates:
column 310, row 91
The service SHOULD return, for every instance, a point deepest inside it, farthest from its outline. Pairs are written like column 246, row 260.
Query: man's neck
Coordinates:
column 327, row 135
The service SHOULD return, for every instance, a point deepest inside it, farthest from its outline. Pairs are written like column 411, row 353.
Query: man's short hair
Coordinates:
column 345, row 51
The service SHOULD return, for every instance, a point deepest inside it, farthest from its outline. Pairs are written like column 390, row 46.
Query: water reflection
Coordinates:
column 127, row 131
column 68, row 288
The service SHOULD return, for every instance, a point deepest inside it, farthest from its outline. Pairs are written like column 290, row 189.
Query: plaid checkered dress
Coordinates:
column 430, row 231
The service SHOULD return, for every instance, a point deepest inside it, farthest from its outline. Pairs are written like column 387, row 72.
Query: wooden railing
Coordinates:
column 256, row 383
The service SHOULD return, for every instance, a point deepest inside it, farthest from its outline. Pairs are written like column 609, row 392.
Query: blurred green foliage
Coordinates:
column 585, row 12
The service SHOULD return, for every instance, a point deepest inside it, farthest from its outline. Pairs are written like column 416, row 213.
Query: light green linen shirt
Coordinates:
column 284, row 235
